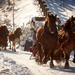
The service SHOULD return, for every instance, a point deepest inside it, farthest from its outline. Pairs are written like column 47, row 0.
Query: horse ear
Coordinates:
column 72, row 16
column 49, row 13
column 55, row 15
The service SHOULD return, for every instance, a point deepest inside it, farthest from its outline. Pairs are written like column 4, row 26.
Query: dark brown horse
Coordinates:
column 3, row 36
column 69, row 35
column 47, row 39
column 13, row 36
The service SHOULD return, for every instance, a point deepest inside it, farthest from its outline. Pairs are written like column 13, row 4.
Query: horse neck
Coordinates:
column 17, row 35
column 67, row 27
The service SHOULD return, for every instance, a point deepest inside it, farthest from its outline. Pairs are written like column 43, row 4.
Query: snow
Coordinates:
column 22, row 42
column 23, row 12
column 19, row 63
column 10, row 67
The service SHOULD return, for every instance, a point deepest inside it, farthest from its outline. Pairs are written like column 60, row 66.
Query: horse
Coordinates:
column 3, row 36
column 69, row 35
column 13, row 36
column 47, row 39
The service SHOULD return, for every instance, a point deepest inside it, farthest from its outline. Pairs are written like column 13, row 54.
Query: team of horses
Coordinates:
column 53, row 44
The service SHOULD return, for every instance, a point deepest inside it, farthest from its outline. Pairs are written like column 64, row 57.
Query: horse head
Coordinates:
column 51, row 22
column 69, row 26
column 72, row 24
column 18, row 32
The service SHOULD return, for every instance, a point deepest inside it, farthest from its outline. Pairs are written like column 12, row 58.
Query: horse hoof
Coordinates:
column 41, row 62
column 66, row 67
column 9, row 48
column 51, row 65
column 14, row 50
column 74, row 60
column 44, row 62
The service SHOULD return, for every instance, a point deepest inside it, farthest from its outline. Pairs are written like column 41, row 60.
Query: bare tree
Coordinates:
column 9, row 2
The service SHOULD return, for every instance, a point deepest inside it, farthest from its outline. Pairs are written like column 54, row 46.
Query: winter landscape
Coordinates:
column 19, row 63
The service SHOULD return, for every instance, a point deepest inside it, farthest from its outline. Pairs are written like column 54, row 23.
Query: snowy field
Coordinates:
column 9, row 67
column 18, row 63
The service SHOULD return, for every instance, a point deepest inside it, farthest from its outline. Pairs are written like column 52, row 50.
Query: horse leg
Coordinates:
column 5, row 48
column 51, row 62
column 6, row 43
column 40, row 51
column 46, row 58
column 2, row 48
column 10, row 44
column 19, row 41
column 14, row 46
column 74, row 58
column 67, row 62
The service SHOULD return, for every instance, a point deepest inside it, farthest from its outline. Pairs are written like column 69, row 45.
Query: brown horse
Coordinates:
column 3, row 36
column 13, row 36
column 69, row 34
column 47, row 39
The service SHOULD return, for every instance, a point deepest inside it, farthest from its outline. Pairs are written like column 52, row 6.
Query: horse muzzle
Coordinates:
column 52, row 32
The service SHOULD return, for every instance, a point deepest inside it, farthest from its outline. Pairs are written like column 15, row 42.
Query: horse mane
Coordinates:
column 68, row 23
column 18, row 32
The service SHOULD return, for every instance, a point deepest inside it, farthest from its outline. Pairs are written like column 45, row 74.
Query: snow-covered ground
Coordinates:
column 9, row 67
column 18, row 63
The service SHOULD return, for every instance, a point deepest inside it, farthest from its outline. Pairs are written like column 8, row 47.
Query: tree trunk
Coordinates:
column 9, row 2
